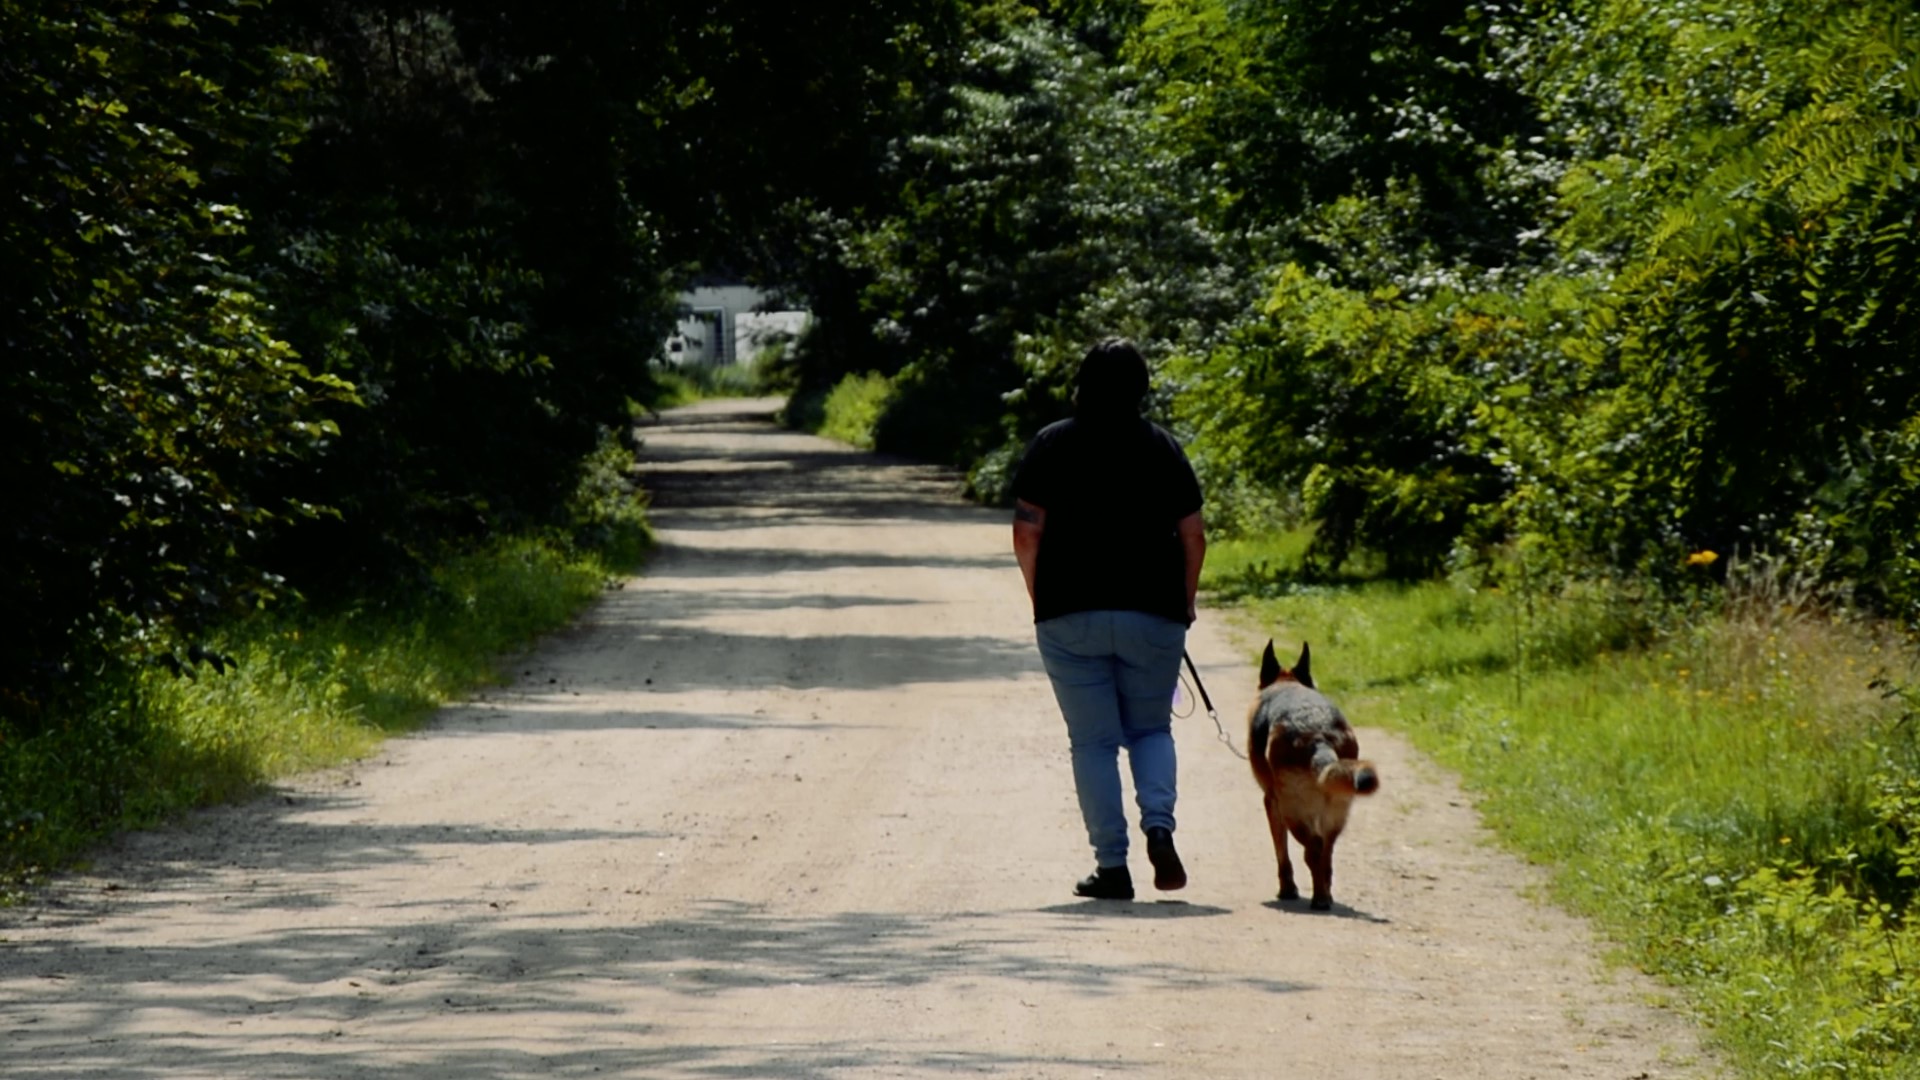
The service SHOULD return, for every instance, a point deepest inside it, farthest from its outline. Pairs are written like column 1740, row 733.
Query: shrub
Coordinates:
column 852, row 410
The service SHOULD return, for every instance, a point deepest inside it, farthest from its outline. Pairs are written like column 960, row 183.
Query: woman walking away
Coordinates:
column 1107, row 528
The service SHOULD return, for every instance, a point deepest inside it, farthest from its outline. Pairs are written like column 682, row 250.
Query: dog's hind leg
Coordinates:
column 1319, row 856
column 1317, row 852
column 1278, row 826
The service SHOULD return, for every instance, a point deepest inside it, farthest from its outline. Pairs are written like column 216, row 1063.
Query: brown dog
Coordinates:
column 1306, row 759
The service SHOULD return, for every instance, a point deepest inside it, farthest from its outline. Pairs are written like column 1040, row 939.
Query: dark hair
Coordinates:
column 1112, row 379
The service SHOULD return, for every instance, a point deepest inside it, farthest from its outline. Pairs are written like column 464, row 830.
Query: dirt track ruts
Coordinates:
column 795, row 803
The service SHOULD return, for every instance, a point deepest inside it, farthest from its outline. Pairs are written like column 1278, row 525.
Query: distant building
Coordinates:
column 728, row 324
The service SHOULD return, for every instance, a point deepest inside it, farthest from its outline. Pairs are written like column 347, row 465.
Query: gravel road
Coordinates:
column 796, row 803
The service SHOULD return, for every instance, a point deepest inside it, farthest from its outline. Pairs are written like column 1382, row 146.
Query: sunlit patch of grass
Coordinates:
column 1243, row 567
column 701, row 382
column 1274, row 564
column 1709, row 779
column 852, row 410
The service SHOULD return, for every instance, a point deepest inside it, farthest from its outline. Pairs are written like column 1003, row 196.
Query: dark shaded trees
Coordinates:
column 149, row 406
column 322, row 291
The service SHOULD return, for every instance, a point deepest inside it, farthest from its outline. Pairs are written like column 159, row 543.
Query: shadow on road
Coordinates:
column 1338, row 911
column 573, row 985
column 699, row 486
column 684, row 561
column 1137, row 909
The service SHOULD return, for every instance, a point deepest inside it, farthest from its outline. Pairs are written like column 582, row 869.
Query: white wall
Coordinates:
column 755, row 330
column 723, row 326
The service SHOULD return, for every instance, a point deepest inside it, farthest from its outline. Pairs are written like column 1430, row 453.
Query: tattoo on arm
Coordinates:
column 1026, row 513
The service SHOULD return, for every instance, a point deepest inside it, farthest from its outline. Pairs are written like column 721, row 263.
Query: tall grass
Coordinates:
column 700, row 382
column 306, row 688
column 1729, row 783
column 852, row 410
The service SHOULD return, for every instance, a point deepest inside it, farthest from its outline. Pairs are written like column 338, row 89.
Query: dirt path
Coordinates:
column 796, row 804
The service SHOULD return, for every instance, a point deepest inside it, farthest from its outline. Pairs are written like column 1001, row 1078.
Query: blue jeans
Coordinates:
column 1113, row 673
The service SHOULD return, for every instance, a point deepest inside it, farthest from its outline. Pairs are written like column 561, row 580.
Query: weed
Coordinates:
column 854, row 407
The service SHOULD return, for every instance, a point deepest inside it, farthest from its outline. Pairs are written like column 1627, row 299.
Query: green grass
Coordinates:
column 1720, row 785
column 308, row 689
column 700, row 382
column 768, row 373
column 1244, row 568
column 853, row 409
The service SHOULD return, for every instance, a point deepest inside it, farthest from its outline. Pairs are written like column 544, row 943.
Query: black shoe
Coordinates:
column 1106, row 883
column 1168, row 874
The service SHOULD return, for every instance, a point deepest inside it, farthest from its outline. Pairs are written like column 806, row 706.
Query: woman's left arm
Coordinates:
column 1193, row 543
column 1029, row 521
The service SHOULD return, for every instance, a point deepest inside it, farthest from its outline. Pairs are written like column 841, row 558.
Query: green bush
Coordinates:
column 939, row 414
column 990, row 480
column 853, row 408
column 608, row 511
column 150, row 406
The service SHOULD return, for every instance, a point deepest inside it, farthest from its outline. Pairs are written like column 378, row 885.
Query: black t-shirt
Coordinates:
column 1113, row 491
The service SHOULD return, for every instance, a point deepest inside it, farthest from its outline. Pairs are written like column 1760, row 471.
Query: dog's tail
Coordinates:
column 1344, row 774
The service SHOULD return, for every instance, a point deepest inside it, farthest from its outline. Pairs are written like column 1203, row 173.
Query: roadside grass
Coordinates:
column 701, row 382
column 305, row 689
column 852, row 410
column 1729, row 784
column 1248, row 568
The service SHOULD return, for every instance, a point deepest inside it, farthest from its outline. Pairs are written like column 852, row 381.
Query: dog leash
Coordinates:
column 1212, row 713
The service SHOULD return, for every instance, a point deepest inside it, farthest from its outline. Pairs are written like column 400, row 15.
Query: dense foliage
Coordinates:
column 310, row 295
column 148, row 402
column 1601, row 283
column 1036, row 208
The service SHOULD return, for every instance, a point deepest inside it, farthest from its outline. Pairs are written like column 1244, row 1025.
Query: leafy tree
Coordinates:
column 148, row 406
column 1387, row 170
column 1746, row 376
column 1039, row 212
column 1299, row 105
column 457, row 238
column 488, row 224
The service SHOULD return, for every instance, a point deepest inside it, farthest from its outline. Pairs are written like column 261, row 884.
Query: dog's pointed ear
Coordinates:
column 1302, row 671
column 1269, row 667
